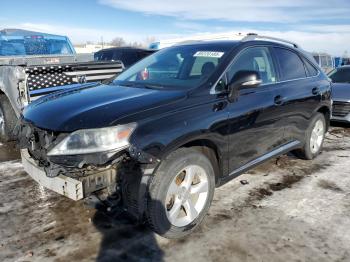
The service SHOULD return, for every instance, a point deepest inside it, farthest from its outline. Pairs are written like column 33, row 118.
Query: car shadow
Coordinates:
column 123, row 239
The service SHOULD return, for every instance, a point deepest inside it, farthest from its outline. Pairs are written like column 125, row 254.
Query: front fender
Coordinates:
column 155, row 138
column 12, row 84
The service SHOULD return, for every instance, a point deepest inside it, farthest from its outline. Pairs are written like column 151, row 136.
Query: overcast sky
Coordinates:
column 317, row 25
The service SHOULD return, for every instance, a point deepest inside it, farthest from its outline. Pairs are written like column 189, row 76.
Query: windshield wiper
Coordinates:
column 152, row 86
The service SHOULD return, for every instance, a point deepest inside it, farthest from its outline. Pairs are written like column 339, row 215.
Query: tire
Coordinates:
column 8, row 120
column 176, row 171
column 310, row 150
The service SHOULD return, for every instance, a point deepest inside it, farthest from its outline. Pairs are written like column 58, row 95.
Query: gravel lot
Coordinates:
column 290, row 210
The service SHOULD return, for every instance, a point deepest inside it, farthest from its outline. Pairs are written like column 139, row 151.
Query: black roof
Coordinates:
column 126, row 48
column 232, row 43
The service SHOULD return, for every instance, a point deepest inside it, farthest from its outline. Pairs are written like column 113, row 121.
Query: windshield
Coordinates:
column 180, row 67
column 34, row 46
column 341, row 75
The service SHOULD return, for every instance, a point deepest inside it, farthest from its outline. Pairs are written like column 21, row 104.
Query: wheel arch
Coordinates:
column 326, row 111
column 211, row 151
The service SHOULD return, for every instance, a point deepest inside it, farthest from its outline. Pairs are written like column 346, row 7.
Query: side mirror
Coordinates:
column 243, row 79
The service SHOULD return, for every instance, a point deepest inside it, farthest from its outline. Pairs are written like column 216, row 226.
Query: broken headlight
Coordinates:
column 94, row 140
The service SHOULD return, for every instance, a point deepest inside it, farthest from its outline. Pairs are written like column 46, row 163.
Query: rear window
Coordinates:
column 34, row 46
column 291, row 65
column 104, row 56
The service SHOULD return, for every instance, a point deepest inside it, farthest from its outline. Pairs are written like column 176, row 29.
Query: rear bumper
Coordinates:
column 74, row 189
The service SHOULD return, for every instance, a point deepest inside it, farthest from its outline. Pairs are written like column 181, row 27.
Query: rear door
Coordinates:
column 253, row 131
column 298, row 93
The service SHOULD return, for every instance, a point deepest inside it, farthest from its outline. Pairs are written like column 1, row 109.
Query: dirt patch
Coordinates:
column 260, row 193
column 335, row 148
column 340, row 132
column 287, row 182
column 329, row 185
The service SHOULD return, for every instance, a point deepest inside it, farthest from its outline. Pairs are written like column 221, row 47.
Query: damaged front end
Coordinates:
column 85, row 173
column 116, row 174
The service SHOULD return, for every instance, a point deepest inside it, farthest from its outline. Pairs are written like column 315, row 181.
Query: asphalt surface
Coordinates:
column 285, row 210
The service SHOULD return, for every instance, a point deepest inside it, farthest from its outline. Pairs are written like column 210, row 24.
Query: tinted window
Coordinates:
column 254, row 59
column 291, row 66
column 341, row 75
column 104, row 55
column 310, row 69
column 129, row 58
column 143, row 54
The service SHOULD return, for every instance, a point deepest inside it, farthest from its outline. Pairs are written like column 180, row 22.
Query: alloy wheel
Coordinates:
column 317, row 136
column 187, row 195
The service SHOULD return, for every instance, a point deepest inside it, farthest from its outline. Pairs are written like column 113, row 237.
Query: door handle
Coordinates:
column 278, row 100
column 316, row 91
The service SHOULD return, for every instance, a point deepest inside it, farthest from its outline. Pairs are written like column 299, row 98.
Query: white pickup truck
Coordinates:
column 34, row 64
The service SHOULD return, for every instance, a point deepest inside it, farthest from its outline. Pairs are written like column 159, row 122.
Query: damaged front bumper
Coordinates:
column 73, row 188
column 122, row 175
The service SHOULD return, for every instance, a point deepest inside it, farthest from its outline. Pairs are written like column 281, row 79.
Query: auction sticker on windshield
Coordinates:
column 208, row 54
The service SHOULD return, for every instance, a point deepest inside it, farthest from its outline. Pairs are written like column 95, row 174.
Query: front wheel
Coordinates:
column 180, row 193
column 315, row 135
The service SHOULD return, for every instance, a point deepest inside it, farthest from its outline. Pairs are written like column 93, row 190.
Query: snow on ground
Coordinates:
column 290, row 210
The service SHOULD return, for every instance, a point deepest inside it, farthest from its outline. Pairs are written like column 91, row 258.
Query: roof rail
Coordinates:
column 252, row 36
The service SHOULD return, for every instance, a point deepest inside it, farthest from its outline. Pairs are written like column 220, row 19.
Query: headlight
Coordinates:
column 94, row 140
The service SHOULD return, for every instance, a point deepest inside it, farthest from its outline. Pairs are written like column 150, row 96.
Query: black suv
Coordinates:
column 163, row 134
column 127, row 55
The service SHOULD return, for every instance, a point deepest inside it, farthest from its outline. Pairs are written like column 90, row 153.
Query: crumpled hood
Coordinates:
column 341, row 91
column 94, row 106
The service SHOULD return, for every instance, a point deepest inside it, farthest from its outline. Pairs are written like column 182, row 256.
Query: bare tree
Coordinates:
column 118, row 41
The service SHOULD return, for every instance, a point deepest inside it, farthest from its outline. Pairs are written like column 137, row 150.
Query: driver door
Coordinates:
column 254, row 130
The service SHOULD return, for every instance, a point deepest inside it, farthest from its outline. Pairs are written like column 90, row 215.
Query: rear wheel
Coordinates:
column 314, row 138
column 180, row 193
column 7, row 120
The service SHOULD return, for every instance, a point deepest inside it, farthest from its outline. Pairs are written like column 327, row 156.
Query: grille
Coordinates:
column 44, row 77
column 41, row 79
column 37, row 141
column 341, row 109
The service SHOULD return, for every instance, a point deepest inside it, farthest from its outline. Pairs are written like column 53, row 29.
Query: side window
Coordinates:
column 290, row 64
column 107, row 56
column 310, row 69
column 129, row 58
column 254, row 59
column 118, row 55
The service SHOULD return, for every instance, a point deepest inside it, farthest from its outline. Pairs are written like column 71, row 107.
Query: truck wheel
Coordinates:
column 180, row 193
column 7, row 120
column 314, row 138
